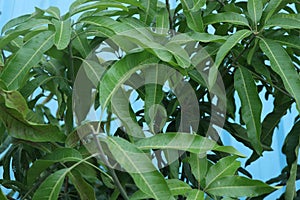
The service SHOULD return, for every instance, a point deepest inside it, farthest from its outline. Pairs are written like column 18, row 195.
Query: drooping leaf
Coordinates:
column 58, row 155
column 229, row 17
column 281, row 63
column 193, row 16
column 237, row 186
column 121, row 107
column 13, row 114
column 140, row 167
column 251, row 106
column 28, row 56
column 149, row 8
column 14, row 22
column 50, row 188
column 162, row 21
column 272, row 7
column 286, row 21
column 63, row 32
column 81, row 7
column 291, row 150
column 84, row 189
column 54, row 11
column 223, row 51
column 255, row 9
column 199, row 166
column 184, row 141
column 120, row 72
column 224, row 167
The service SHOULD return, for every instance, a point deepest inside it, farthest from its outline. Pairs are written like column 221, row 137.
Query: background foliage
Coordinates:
column 255, row 47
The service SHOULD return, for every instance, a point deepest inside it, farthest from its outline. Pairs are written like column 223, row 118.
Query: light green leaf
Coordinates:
column 14, row 22
column 282, row 64
column 63, row 32
column 193, row 16
column 223, row 51
column 28, row 56
column 121, row 107
column 255, row 9
column 178, row 187
column 81, row 43
column 120, row 72
column 195, row 195
column 140, row 167
column 74, row 9
column 149, row 10
column 50, row 188
column 198, row 4
column 251, row 106
column 229, row 17
column 184, row 141
column 286, row 21
column 13, row 114
column 224, row 167
column 237, row 186
column 54, row 11
column 85, row 190
column 162, row 21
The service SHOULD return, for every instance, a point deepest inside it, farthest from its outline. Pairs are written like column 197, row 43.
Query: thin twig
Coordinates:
column 170, row 17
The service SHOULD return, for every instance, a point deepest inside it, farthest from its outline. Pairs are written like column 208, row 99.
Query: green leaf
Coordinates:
column 193, row 17
column 50, row 188
column 272, row 7
column 149, row 8
column 80, row 7
column 291, row 150
column 198, row 4
column 223, row 51
column 85, row 190
column 185, row 142
column 286, row 21
column 140, row 167
column 229, row 17
column 28, row 56
column 251, row 106
column 58, row 155
column 63, row 32
column 13, row 114
column 282, row 64
column 162, row 21
column 195, row 195
column 2, row 196
column 255, row 9
column 224, row 167
column 178, row 187
column 54, row 11
column 120, row 72
column 14, row 22
column 288, row 40
column 199, row 165
column 121, row 107
column 237, row 186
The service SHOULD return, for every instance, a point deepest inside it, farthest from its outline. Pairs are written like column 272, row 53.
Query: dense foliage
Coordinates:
column 170, row 78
